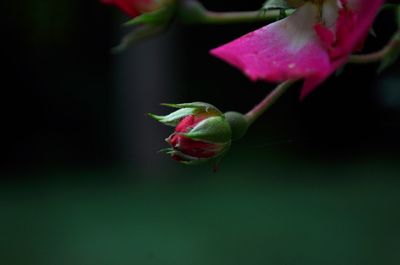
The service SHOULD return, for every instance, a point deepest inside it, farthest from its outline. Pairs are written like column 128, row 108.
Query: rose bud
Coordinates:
column 201, row 133
column 134, row 8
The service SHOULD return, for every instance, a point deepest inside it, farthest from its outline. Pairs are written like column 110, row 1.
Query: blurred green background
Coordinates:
column 313, row 182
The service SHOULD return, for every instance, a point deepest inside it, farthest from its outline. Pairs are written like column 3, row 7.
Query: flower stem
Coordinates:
column 193, row 12
column 267, row 102
column 211, row 17
column 394, row 43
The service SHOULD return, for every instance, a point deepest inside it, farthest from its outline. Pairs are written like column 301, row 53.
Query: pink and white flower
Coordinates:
column 310, row 44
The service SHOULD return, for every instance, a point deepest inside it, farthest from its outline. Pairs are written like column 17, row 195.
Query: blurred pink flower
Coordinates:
column 134, row 8
column 310, row 44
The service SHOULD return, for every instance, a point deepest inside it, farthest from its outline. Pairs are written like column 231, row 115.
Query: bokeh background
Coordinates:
column 313, row 182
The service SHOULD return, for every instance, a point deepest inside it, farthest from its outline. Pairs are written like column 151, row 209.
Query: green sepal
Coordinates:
column 138, row 34
column 238, row 123
column 186, row 159
column 213, row 129
column 275, row 4
column 205, row 107
column 285, row 7
column 194, row 161
column 175, row 117
column 282, row 4
column 160, row 16
column 392, row 56
column 166, row 150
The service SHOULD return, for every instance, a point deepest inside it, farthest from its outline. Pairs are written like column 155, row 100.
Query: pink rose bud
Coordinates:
column 186, row 148
column 201, row 133
column 134, row 8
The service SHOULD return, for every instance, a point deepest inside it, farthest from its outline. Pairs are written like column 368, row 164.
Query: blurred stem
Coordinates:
column 193, row 12
column 267, row 102
column 394, row 43
column 211, row 17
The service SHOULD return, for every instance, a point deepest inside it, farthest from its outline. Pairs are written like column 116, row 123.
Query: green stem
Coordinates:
column 211, row 17
column 394, row 43
column 267, row 102
column 194, row 12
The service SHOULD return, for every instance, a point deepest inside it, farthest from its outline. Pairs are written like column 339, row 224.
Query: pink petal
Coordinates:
column 311, row 82
column 299, row 46
column 126, row 6
column 287, row 49
column 353, row 24
column 365, row 13
column 326, row 36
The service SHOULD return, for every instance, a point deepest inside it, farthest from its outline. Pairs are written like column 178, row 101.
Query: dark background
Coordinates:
column 313, row 182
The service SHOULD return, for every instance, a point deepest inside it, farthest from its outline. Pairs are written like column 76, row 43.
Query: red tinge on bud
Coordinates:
column 190, row 147
column 201, row 133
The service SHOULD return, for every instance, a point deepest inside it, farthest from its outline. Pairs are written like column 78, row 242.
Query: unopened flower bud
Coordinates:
column 201, row 133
